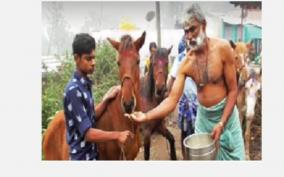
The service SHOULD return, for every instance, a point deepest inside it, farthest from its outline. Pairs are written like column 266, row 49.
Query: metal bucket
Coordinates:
column 200, row 147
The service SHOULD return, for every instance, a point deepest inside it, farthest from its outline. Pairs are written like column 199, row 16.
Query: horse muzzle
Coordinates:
column 160, row 91
column 128, row 106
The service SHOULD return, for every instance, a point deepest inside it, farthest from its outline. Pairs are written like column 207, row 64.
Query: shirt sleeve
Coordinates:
column 174, row 69
column 76, row 108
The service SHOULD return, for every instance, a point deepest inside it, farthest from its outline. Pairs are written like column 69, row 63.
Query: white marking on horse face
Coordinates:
column 135, row 102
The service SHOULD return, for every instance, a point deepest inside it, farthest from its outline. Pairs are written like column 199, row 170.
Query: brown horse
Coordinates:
column 127, row 101
column 153, row 91
column 55, row 145
column 54, row 142
column 241, row 51
column 248, row 86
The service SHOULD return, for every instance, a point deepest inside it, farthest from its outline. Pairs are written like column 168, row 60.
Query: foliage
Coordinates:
column 54, row 82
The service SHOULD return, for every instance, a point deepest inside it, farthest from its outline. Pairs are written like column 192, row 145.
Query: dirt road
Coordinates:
column 160, row 148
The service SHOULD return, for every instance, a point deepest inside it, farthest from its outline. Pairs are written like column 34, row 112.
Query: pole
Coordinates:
column 158, row 23
column 242, row 22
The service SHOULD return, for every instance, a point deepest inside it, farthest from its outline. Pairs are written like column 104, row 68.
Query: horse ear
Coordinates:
column 233, row 45
column 114, row 43
column 140, row 41
column 170, row 49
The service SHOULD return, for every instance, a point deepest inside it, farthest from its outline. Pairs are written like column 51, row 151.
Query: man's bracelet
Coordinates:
column 221, row 124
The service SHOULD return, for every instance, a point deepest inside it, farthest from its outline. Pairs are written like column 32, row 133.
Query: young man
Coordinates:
column 79, row 107
column 210, row 63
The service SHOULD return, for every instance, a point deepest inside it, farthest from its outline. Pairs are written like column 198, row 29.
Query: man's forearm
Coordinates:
column 162, row 110
column 96, row 135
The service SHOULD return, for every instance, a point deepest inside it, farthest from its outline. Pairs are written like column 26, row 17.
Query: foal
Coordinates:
column 153, row 88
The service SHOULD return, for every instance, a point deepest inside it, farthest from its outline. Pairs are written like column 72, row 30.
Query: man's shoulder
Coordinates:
column 220, row 43
column 71, row 86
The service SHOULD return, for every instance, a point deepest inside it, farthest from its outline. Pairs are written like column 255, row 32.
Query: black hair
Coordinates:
column 83, row 43
column 152, row 45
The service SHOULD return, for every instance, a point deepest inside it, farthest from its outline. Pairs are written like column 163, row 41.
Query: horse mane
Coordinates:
column 149, row 86
column 126, row 43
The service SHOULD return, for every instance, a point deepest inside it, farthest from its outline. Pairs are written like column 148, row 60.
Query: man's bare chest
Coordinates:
column 205, row 68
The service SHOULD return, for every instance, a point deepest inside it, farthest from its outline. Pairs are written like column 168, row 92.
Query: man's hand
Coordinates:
column 111, row 93
column 137, row 116
column 217, row 131
column 123, row 136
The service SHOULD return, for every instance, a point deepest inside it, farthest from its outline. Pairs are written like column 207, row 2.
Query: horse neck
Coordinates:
column 242, row 76
column 149, row 85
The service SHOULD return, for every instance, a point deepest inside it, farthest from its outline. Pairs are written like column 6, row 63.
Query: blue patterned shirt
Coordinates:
column 79, row 117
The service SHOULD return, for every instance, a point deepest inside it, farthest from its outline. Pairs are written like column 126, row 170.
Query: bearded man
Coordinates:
column 210, row 63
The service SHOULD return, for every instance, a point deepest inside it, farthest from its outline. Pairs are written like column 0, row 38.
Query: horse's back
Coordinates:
column 55, row 145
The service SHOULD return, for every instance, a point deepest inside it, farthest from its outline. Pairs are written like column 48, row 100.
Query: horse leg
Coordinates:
column 247, row 137
column 168, row 135
column 240, row 107
column 147, row 144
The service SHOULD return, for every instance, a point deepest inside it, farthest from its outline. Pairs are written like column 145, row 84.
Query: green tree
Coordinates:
column 53, row 83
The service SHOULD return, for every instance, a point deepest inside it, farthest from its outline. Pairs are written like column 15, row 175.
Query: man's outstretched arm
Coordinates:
column 166, row 106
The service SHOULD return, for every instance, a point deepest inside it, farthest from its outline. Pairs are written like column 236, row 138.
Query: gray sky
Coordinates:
column 110, row 14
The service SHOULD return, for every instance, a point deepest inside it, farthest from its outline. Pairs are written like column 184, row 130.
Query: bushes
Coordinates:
column 53, row 83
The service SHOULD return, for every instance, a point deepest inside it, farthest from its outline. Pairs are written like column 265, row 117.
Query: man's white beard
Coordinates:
column 200, row 39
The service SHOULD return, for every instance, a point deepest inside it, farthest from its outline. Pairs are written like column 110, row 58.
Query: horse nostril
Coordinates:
column 159, row 91
column 128, row 106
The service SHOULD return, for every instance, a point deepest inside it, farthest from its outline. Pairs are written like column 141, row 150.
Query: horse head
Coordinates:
column 128, row 62
column 159, row 70
column 241, row 54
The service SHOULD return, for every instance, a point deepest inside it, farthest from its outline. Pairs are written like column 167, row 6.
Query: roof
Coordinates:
column 234, row 17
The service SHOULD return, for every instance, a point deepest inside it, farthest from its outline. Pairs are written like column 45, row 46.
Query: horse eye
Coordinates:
column 118, row 63
column 138, row 62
